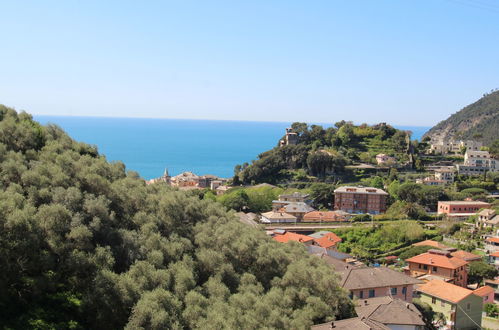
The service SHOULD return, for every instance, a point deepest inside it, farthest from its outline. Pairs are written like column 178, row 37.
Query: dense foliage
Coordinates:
column 479, row 120
column 365, row 242
column 323, row 153
column 479, row 270
column 85, row 244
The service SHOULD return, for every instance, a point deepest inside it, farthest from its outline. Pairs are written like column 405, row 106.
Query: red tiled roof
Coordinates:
column 495, row 254
column 328, row 240
column 492, row 239
column 438, row 260
column 444, row 290
column 429, row 242
column 484, row 291
column 289, row 236
column 467, row 256
column 322, row 216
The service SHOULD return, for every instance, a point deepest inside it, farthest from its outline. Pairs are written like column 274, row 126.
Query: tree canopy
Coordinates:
column 86, row 244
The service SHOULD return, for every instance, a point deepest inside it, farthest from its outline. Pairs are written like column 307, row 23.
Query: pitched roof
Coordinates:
column 495, row 254
column 294, row 195
column 438, row 260
column 484, row 291
column 467, row 256
column 387, row 310
column 289, row 236
column 375, row 277
column 323, row 216
column 356, row 323
column 328, row 240
column 493, row 221
column 298, row 207
column 492, row 239
column 445, row 291
column 487, row 212
column 278, row 215
column 317, row 250
column 360, row 190
column 429, row 242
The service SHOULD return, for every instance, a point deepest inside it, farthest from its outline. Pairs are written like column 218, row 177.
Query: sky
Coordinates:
column 406, row 62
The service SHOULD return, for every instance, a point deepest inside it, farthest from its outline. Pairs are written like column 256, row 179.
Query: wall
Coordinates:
column 385, row 291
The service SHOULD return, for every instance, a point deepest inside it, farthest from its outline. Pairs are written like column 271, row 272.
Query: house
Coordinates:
column 248, row 218
column 439, row 264
column 494, row 259
column 360, row 200
column 380, row 313
column 334, row 258
column 454, row 147
column 289, row 236
column 478, row 162
column 326, row 216
column 487, row 294
column 492, row 244
column 298, row 209
column 295, row 197
column 277, row 217
column 222, row 190
column 371, row 282
column 461, row 308
column 460, row 209
column 326, row 239
column 445, row 174
column 431, row 181
column 494, row 284
column 356, row 323
column 488, row 218
column 383, row 159
column 464, row 255
column 431, row 243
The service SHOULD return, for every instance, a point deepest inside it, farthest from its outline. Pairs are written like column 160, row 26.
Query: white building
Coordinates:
column 477, row 163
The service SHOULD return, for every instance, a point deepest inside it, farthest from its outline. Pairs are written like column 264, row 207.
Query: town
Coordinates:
column 413, row 246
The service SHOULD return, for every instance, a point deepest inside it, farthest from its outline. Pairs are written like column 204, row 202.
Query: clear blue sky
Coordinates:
column 400, row 61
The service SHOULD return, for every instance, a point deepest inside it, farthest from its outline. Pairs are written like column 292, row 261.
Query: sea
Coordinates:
column 149, row 146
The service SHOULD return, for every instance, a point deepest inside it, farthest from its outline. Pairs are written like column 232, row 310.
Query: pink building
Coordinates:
column 487, row 294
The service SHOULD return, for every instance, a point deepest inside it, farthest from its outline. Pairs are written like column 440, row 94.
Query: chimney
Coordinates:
column 332, row 325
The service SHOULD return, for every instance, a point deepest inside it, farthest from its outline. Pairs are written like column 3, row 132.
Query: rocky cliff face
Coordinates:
column 477, row 121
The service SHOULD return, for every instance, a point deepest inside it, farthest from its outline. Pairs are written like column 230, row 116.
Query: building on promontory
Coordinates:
column 291, row 138
column 436, row 264
column 360, row 200
column 460, row 209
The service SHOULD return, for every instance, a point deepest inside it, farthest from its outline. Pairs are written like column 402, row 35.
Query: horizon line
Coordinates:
column 223, row 120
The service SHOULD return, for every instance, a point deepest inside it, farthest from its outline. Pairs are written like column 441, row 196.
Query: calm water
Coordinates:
column 201, row 146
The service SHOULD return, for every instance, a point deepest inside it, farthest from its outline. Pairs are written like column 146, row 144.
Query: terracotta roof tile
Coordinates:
column 429, row 242
column 445, row 291
column 484, row 291
column 493, row 239
column 289, row 236
column 328, row 240
column 467, row 256
column 495, row 254
column 438, row 260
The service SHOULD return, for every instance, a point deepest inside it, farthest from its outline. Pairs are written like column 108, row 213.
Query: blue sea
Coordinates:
column 148, row 146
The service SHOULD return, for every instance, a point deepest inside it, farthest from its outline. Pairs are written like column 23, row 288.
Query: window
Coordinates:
column 419, row 266
column 468, row 306
column 425, row 267
column 433, row 300
column 442, row 303
column 371, row 293
column 361, row 294
column 404, row 290
column 393, row 291
column 434, row 268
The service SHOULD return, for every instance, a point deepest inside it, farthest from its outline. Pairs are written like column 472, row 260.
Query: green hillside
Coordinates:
column 84, row 244
column 479, row 121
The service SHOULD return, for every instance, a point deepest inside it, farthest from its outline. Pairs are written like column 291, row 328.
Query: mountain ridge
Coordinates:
column 476, row 121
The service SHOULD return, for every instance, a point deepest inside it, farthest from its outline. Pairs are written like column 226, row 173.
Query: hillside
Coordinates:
column 479, row 121
column 322, row 154
column 84, row 244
